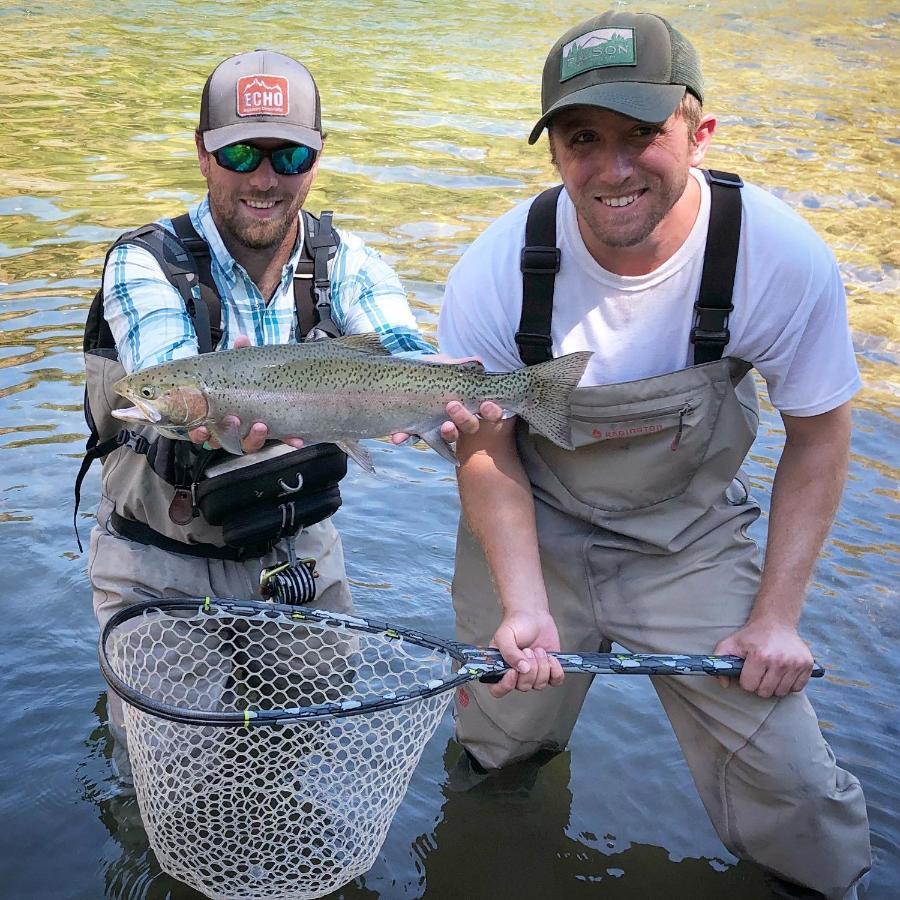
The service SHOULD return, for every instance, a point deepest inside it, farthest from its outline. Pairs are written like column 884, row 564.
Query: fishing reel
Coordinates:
column 292, row 582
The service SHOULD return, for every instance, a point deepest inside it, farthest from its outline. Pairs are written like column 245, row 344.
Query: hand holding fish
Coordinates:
column 459, row 419
column 255, row 439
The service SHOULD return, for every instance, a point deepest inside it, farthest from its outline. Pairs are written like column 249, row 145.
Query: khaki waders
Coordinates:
column 643, row 540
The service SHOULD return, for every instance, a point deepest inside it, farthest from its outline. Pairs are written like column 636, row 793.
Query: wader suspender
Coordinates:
column 312, row 283
column 540, row 261
column 184, row 260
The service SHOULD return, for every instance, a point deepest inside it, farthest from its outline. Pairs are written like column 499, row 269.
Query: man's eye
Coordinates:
column 583, row 137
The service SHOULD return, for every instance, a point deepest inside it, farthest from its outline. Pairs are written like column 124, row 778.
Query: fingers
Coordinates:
column 199, row 435
column 255, row 438
column 490, row 411
column 504, row 686
column 774, row 677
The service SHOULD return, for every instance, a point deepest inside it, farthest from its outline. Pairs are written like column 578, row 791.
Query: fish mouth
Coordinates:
column 137, row 414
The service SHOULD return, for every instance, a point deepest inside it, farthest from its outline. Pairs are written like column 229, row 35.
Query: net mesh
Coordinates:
column 293, row 810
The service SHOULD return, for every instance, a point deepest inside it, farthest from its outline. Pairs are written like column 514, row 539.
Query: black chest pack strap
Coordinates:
column 540, row 261
column 185, row 259
column 312, row 280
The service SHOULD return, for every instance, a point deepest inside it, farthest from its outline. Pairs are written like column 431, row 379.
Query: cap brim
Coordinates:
column 216, row 138
column 640, row 100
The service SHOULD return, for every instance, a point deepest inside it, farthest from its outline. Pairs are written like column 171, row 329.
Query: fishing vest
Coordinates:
column 156, row 487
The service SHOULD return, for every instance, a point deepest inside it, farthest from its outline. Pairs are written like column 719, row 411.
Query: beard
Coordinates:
column 250, row 232
column 634, row 232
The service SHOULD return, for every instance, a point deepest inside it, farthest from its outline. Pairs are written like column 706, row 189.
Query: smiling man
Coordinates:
column 247, row 265
column 681, row 281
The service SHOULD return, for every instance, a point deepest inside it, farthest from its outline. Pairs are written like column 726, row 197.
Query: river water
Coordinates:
column 427, row 106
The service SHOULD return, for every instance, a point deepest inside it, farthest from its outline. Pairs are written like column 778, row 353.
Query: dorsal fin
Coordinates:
column 369, row 342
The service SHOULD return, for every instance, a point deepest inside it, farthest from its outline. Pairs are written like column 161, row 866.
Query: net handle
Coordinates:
column 474, row 663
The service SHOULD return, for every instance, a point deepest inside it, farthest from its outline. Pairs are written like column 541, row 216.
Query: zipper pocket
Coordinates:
column 681, row 411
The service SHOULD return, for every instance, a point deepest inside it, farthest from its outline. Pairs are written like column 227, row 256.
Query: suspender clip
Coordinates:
column 533, row 340
column 726, row 179
column 540, row 260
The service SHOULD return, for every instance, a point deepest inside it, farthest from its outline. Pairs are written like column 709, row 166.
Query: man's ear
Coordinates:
column 202, row 154
column 702, row 138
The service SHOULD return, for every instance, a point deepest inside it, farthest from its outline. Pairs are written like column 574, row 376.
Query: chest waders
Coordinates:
column 642, row 531
column 157, row 490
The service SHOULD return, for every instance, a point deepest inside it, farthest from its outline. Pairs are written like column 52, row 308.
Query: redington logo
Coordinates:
column 612, row 433
column 262, row 95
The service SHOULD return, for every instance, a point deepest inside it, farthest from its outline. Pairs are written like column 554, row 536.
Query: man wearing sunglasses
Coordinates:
column 258, row 142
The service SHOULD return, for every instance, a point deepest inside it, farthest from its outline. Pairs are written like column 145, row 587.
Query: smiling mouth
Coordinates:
column 624, row 200
column 261, row 204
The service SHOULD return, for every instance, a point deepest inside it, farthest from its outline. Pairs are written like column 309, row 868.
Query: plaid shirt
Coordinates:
column 150, row 323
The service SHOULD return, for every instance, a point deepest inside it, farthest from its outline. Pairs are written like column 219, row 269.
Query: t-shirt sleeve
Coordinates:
column 812, row 368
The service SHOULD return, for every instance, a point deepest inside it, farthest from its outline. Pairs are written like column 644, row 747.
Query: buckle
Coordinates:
column 710, row 337
column 533, row 340
column 132, row 439
column 714, row 309
column 539, row 260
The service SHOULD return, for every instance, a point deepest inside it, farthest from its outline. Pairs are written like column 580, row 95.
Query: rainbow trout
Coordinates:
column 340, row 390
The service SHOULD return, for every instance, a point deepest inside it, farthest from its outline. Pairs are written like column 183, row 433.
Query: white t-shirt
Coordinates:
column 789, row 318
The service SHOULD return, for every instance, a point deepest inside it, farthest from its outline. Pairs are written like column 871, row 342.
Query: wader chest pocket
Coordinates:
column 634, row 455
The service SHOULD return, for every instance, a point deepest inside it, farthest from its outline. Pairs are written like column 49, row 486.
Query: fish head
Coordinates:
column 171, row 402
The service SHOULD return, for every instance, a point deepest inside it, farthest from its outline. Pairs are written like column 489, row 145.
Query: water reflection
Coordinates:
column 508, row 835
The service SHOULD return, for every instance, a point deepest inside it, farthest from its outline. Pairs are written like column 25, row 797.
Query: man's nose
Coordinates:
column 614, row 163
column 264, row 176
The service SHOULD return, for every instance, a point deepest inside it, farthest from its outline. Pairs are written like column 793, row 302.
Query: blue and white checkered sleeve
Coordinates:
column 145, row 312
column 367, row 296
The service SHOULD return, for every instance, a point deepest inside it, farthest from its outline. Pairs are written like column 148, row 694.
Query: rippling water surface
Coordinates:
column 427, row 107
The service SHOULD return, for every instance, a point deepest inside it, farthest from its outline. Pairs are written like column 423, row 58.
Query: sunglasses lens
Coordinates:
column 293, row 160
column 239, row 157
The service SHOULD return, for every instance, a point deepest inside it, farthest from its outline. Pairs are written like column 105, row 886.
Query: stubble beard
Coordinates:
column 641, row 230
column 256, row 234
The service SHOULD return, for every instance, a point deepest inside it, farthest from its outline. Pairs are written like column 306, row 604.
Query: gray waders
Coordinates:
column 643, row 540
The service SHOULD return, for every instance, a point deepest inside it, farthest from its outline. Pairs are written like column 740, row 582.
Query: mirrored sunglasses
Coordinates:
column 295, row 159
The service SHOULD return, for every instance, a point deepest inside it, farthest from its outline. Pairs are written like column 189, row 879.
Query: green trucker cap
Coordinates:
column 636, row 64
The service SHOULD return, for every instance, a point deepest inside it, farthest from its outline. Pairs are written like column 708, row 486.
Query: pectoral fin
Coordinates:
column 228, row 434
column 358, row 454
column 436, row 441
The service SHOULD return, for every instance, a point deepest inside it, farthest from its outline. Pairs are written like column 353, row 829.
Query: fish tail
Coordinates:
column 547, row 396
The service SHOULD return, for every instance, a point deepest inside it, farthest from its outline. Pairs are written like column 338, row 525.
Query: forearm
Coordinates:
column 805, row 495
column 497, row 502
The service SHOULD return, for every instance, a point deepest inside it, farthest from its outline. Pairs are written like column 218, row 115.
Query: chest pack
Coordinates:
column 256, row 503
column 540, row 261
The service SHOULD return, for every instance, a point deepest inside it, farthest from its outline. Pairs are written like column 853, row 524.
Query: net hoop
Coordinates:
column 261, row 612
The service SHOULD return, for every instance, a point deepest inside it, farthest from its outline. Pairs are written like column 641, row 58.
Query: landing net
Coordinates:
column 270, row 751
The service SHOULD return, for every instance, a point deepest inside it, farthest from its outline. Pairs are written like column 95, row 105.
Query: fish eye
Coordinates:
column 147, row 392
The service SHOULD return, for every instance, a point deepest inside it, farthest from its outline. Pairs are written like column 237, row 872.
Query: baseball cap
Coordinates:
column 636, row 64
column 260, row 94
